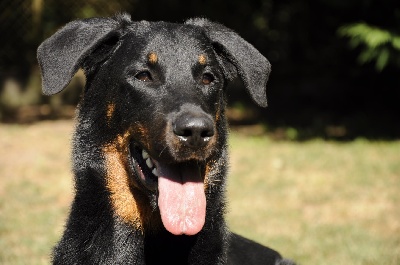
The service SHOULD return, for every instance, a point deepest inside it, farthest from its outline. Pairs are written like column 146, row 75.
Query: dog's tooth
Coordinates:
column 145, row 155
column 149, row 163
column 155, row 172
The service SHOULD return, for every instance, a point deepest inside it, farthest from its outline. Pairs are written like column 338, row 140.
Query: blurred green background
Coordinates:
column 335, row 63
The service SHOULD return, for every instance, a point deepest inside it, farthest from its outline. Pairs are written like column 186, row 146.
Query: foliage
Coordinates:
column 316, row 82
column 378, row 44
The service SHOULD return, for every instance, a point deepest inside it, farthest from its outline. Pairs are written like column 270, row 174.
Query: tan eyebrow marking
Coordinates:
column 153, row 58
column 202, row 59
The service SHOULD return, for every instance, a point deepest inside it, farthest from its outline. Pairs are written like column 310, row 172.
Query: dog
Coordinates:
column 150, row 143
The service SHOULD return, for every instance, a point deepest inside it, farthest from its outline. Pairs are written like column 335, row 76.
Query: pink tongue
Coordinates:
column 181, row 200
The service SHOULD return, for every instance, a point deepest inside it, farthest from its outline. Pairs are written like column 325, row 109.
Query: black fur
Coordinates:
column 158, row 87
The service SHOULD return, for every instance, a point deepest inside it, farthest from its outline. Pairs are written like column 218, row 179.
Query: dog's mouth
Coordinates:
column 180, row 189
column 144, row 167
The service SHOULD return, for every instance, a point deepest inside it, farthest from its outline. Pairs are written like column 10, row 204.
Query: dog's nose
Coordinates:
column 195, row 129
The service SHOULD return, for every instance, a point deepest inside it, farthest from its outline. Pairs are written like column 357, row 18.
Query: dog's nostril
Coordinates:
column 187, row 133
column 207, row 133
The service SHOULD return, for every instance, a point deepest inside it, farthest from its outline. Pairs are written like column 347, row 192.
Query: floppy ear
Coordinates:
column 61, row 55
column 251, row 65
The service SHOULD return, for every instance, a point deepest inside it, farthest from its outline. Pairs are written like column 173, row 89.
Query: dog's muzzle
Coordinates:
column 178, row 178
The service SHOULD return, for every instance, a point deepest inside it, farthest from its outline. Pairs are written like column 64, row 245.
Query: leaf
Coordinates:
column 366, row 34
column 396, row 42
column 382, row 59
column 366, row 56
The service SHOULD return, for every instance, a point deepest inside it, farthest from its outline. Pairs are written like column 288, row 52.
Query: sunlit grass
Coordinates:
column 316, row 202
column 35, row 190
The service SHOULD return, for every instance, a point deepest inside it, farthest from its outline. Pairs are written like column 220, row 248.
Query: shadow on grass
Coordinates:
column 371, row 126
column 280, row 125
column 313, row 123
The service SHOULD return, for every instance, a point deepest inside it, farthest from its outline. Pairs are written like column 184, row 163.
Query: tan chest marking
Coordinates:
column 122, row 198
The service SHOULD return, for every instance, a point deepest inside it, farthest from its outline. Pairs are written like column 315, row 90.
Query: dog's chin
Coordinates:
column 179, row 187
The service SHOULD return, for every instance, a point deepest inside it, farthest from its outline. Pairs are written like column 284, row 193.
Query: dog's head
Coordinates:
column 154, row 103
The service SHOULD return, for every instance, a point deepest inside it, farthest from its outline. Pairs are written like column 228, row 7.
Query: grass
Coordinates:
column 35, row 189
column 316, row 202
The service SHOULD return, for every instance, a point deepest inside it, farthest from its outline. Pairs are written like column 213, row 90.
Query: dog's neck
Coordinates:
column 167, row 248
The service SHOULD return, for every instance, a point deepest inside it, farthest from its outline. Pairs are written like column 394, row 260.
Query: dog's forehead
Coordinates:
column 171, row 41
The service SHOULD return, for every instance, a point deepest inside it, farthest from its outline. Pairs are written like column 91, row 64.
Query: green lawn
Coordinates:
column 316, row 202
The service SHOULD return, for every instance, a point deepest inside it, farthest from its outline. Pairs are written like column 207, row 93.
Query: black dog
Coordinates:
column 149, row 153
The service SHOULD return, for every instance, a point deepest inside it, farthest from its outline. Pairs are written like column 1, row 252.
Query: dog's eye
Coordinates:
column 144, row 76
column 207, row 79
